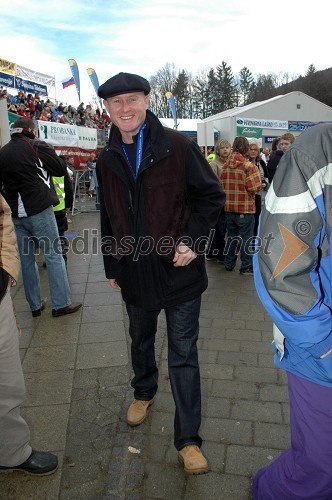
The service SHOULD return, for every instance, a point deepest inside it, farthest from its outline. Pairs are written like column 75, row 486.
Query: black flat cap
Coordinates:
column 122, row 83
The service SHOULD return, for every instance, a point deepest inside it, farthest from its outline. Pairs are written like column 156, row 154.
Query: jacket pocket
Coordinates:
column 181, row 278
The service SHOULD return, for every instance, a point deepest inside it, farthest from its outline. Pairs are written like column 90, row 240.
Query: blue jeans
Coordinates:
column 41, row 230
column 183, row 368
column 240, row 232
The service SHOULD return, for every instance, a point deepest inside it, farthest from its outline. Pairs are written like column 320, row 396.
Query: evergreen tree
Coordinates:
column 264, row 88
column 181, row 94
column 311, row 70
column 246, row 85
column 212, row 97
column 216, row 89
column 227, row 97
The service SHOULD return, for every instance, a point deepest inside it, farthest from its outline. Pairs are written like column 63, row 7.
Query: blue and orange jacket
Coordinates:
column 293, row 263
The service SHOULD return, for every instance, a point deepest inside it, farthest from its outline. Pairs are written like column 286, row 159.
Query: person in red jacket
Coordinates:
column 241, row 180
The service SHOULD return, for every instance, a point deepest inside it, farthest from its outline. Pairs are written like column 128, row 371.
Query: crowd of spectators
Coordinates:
column 33, row 106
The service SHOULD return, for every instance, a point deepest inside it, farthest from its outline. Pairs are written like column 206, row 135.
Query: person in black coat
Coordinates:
column 26, row 167
column 159, row 198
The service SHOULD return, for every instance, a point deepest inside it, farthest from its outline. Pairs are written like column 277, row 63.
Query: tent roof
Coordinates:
column 254, row 105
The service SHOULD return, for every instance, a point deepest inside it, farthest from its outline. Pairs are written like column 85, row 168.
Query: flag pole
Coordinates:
column 55, row 91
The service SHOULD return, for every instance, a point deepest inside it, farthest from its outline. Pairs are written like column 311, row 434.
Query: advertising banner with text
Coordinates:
column 61, row 134
column 7, row 67
column 35, row 76
column 262, row 123
column 87, row 137
column 58, row 134
column 302, row 125
column 30, row 87
column 7, row 80
column 14, row 82
column 249, row 132
column 79, row 155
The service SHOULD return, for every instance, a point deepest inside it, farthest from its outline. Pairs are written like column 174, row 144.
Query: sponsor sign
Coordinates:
column 30, row 87
column 87, row 137
column 79, row 155
column 249, row 132
column 12, row 117
column 35, row 76
column 302, row 125
column 261, row 123
column 7, row 80
column 7, row 67
column 58, row 134
column 15, row 82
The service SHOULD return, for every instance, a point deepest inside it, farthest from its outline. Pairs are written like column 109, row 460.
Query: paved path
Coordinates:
column 77, row 373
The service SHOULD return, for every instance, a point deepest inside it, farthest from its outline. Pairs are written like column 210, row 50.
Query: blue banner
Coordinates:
column 15, row 82
column 7, row 80
column 171, row 103
column 76, row 75
column 302, row 125
column 95, row 83
column 30, row 87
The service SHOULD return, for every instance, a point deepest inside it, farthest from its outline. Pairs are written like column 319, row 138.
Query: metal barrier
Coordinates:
column 84, row 202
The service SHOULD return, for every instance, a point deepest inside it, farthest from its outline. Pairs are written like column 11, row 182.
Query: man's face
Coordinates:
column 284, row 145
column 128, row 112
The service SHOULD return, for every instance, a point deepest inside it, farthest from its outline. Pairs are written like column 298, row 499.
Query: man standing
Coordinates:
column 293, row 279
column 286, row 140
column 159, row 197
column 26, row 167
column 241, row 180
column 281, row 145
column 15, row 450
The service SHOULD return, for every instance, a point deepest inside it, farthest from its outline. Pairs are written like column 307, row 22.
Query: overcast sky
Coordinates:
column 141, row 36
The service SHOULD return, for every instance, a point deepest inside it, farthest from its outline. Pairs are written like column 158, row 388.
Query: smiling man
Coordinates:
column 159, row 200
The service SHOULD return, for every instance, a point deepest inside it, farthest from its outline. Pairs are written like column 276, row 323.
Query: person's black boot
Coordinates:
column 40, row 463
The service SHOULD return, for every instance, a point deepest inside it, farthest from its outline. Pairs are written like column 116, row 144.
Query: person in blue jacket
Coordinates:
column 292, row 270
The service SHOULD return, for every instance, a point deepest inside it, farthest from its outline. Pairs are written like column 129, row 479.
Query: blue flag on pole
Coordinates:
column 171, row 103
column 76, row 76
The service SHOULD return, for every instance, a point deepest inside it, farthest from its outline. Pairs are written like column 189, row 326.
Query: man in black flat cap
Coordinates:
column 159, row 200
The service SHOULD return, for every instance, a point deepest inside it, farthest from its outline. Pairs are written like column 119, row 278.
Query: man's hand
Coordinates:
column 112, row 282
column 183, row 255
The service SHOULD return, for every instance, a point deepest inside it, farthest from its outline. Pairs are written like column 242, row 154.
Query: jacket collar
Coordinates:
column 154, row 136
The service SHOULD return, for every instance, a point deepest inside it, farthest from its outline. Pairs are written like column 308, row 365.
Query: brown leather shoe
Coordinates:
column 66, row 310
column 193, row 460
column 137, row 411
